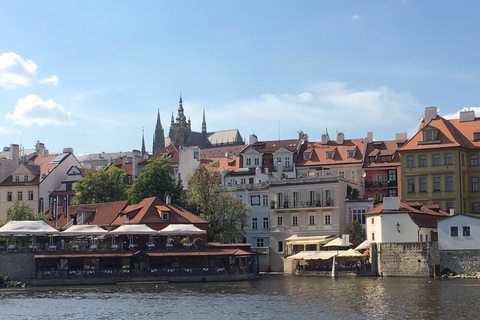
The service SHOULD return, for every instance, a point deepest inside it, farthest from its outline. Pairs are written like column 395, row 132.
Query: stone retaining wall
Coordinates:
column 18, row 266
column 414, row 259
column 460, row 261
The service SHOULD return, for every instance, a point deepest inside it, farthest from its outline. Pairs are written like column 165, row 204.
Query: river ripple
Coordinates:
column 273, row 297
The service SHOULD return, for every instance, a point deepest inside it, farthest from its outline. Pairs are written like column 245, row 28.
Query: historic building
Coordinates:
column 181, row 134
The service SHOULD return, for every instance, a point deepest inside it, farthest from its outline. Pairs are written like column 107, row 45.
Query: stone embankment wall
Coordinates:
column 460, row 261
column 415, row 259
column 18, row 266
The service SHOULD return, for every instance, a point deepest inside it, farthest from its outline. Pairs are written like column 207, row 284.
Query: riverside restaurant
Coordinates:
column 89, row 254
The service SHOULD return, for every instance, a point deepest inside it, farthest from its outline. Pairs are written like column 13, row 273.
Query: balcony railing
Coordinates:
column 303, row 204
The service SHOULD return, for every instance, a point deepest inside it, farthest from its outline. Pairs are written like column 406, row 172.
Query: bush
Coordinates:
column 198, row 242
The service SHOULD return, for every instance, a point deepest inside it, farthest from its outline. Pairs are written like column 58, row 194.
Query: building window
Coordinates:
column 312, row 198
column 254, row 223
column 9, row 196
column 474, row 160
column 436, row 183
column 422, row 161
column 287, row 162
column 165, row 216
column 260, row 243
column 392, row 175
column 280, row 246
column 280, row 200
column 421, row 237
column 454, row 231
column 296, row 200
column 448, row 158
column 392, row 193
column 474, row 183
column 255, row 200
column 265, row 223
column 423, row 184
column 449, row 183
column 411, row 185
column 249, row 161
column 373, row 236
column 466, row 231
column 279, row 221
column 329, row 155
column 476, row 207
column 350, row 154
column 372, row 159
column 476, row 136
column 304, row 175
column 341, row 174
column 17, row 178
column 311, row 220
column 294, row 220
column 376, row 178
column 449, row 206
column 372, row 221
column 436, row 159
column 328, row 219
column 265, row 200
column 25, row 178
column 410, row 161
column 19, row 195
column 384, row 177
column 257, row 162
column 30, row 195
column 306, row 156
column 428, row 135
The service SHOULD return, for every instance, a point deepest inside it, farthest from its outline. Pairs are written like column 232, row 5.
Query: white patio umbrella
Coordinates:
column 350, row 253
column 181, row 229
column 364, row 245
column 27, row 228
column 134, row 229
column 84, row 230
column 337, row 242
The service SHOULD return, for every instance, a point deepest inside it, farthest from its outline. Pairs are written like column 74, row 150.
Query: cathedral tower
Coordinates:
column 159, row 136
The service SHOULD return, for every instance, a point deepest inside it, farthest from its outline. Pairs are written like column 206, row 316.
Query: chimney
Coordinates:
column 467, row 116
column 369, row 137
column 279, row 170
column 168, row 200
column 340, row 138
column 430, row 114
column 135, row 154
column 391, row 203
column 401, row 136
column 253, row 139
column 68, row 150
column 15, row 153
column 325, row 138
column 452, row 211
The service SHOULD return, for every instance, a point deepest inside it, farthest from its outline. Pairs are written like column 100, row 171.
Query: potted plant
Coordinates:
column 272, row 204
column 199, row 243
column 328, row 201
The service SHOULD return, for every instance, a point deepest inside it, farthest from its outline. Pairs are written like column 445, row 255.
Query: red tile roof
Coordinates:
column 339, row 156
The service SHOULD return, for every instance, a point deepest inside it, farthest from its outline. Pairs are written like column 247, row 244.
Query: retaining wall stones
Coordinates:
column 18, row 266
column 460, row 261
column 413, row 259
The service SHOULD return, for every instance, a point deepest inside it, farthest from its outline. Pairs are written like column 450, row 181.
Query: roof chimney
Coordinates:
column 340, row 137
column 325, row 137
column 369, row 137
column 401, row 136
column 452, row 211
column 391, row 203
column 430, row 114
column 253, row 139
column 467, row 115
column 168, row 200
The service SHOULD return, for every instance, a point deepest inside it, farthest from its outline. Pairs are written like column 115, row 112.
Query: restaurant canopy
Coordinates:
column 84, row 230
column 308, row 240
column 364, row 245
column 350, row 253
column 337, row 242
column 313, row 255
column 27, row 228
column 134, row 229
column 181, row 229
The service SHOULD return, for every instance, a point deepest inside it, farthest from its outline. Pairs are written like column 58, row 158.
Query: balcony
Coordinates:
column 250, row 186
column 303, row 204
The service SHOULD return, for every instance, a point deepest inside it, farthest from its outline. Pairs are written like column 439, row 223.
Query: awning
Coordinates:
column 350, row 253
column 134, row 229
column 313, row 255
column 338, row 242
column 27, row 228
column 181, row 229
column 308, row 240
column 364, row 245
column 84, row 230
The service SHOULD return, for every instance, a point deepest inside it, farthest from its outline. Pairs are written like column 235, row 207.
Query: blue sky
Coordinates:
column 91, row 74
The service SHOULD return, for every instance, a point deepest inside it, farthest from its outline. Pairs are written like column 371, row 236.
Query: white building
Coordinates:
column 459, row 232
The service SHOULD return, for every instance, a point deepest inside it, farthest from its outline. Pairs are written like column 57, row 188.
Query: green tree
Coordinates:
column 21, row 211
column 356, row 232
column 156, row 180
column 226, row 213
column 103, row 186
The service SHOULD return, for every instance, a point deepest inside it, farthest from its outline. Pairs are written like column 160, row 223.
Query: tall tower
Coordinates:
column 181, row 128
column 159, row 136
column 144, row 150
column 204, row 124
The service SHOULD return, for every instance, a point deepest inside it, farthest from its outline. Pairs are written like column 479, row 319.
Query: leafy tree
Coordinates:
column 103, row 186
column 21, row 211
column 156, row 180
column 226, row 213
column 356, row 232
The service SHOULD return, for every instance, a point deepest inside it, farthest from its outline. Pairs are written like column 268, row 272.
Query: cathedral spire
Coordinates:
column 144, row 151
column 181, row 116
column 159, row 136
column 204, row 123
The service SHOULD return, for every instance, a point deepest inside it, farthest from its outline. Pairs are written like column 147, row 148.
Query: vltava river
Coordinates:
column 273, row 297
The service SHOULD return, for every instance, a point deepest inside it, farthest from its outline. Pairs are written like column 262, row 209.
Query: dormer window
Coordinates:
column 428, row 136
column 306, row 156
column 351, row 154
column 372, row 159
column 17, row 178
column 127, row 217
column 476, row 136
column 25, row 178
column 329, row 155
column 165, row 216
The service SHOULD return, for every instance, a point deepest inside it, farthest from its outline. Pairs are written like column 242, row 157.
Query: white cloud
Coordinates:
column 33, row 110
column 456, row 115
column 329, row 105
column 53, row 80
column 356, row 17
column 16, row 71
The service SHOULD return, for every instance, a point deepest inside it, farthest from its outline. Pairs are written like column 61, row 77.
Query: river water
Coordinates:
column 272, row 297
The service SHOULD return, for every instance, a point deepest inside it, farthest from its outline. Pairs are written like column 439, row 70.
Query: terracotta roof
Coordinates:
column 273, row 146
column 219, row 152
column 171, row 152
column 339, row 156
column 379, row 149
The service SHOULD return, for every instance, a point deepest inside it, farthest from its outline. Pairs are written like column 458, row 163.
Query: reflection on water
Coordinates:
column 273, row 297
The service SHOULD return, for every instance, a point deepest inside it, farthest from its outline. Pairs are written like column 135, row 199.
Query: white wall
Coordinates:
column 447, row 242
column 386, row 231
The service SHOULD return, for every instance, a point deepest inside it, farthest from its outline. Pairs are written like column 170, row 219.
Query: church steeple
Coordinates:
column 159, row 136
column 144, row 150
column 181, row 116
column 204, row 123
column 173, row 121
